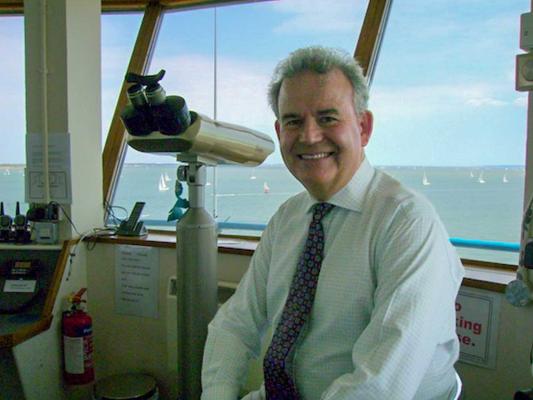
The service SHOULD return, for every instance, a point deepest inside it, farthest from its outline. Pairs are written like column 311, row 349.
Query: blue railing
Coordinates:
column 486, row 244
column 458, row 242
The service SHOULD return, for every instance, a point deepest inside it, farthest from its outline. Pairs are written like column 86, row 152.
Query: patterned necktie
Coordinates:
column 279, row 385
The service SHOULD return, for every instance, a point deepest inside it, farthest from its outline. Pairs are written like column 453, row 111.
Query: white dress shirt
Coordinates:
column 383, row 320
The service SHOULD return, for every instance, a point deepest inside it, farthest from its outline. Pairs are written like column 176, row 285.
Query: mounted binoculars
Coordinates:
column 157, row 123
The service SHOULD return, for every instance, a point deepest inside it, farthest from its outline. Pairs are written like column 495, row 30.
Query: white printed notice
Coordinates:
column 477, row 314
column 137, row 281
column 58, row 168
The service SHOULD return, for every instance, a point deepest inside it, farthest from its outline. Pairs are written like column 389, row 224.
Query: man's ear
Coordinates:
column 366, row 121
column 277, row 127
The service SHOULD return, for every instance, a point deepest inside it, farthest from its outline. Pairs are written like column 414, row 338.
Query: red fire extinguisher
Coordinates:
column 77, row 342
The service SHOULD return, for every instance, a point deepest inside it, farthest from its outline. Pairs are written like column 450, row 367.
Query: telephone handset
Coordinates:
column 132, row 226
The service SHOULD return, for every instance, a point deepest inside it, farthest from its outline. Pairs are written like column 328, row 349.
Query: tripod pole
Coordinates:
column 196, row 278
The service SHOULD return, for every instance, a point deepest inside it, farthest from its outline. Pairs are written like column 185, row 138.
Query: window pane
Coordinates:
column 445, row 108
column 12, row 114
column 185, row 51
column 119, row 32
column 251, row 39
column 272, row 30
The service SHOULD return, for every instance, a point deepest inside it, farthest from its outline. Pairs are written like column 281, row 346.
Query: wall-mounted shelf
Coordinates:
column 16, row 246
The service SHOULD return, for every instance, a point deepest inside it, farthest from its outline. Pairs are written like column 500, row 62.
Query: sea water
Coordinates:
column 483, row 203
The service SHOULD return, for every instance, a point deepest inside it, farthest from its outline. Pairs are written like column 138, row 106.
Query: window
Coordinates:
column 119, row 32
column 12, row 114
column 118, row 38
column 250, row 40
column 448, row 121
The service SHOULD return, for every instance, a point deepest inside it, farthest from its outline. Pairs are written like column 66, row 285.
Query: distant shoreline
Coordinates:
column 13, row 166
column 22, row 166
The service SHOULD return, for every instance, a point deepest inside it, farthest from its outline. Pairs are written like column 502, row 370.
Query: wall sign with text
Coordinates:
column 137, row 281
column 477, row 315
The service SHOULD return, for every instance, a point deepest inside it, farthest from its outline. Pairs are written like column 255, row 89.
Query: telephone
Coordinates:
column 132, row 226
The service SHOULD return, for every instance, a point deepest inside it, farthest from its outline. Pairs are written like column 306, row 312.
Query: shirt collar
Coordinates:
column 353, row 194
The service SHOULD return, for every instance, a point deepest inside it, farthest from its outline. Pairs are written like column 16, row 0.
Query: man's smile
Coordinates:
column 314, row 156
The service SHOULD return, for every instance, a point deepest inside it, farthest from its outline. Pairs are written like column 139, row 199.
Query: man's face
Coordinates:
column 321, row 137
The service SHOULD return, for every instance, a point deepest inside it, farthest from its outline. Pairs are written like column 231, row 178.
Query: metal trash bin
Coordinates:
column 126, row 387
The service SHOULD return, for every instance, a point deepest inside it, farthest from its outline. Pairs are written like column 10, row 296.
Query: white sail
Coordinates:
column 167, row 178
column 481, row 179
column 266, row 188
column 162, row 184
column 425, row 180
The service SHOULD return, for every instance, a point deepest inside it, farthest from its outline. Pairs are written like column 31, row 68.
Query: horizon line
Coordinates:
column 17, row 165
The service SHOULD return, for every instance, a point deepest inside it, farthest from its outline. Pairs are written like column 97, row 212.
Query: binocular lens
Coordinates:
column 155, row 94
column 151, row 110
column 136, row 96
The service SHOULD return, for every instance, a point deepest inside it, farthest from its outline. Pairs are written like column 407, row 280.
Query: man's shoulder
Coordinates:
column 293, row 204
column 289, row 213
column 389, row 193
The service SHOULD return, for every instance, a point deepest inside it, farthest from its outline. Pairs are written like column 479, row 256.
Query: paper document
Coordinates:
column 137, row 281
column 59, row 176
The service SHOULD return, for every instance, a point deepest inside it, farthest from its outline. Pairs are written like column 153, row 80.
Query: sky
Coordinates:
column 442, row 94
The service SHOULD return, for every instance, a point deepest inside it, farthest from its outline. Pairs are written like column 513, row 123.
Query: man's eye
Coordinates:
column 327, row 119
column 292, row 123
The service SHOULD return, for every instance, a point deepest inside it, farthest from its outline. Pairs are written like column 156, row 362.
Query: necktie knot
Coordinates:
column 320, row 210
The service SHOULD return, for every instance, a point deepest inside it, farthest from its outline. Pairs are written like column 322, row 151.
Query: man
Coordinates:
column 361, row 303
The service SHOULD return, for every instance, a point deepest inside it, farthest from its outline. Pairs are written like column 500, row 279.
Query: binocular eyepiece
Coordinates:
column 150, row 109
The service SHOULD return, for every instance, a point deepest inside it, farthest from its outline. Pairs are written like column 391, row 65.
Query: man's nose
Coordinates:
column 311, row 132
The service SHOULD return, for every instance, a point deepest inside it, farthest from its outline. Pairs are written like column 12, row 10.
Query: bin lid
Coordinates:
column 125, row 387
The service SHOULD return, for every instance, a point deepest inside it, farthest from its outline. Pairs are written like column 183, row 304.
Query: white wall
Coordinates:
column 137, row 344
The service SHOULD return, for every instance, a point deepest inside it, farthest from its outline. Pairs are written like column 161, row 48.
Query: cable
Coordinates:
column 93, row 233
column 55, row 203
column 116, row 220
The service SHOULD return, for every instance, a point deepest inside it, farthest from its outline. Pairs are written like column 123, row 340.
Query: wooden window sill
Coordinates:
column 478, row 274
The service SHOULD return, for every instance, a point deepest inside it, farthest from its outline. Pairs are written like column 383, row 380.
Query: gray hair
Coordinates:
column 320, row 60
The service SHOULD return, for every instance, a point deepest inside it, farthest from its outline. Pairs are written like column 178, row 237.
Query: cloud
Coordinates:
column 485, row 101
column 241, row 87
column 12, row 47
column 426, row 100
column 316, row 16
column 521, row 101
column 115, row 61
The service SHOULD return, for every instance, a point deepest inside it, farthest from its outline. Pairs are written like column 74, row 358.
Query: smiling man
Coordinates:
column 321, row 135
column 355, row 277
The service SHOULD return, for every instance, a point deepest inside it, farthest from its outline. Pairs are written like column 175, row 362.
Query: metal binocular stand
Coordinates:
column 196, row 278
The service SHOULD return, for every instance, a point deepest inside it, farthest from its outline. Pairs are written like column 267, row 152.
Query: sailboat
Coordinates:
column 471, row 174
column 167, row 178
column 266, row 189
column 163, row 187
column 425, row 180
column 252, row 175
column 481, row 179
column 504, row 179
